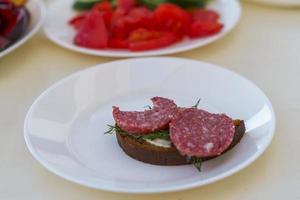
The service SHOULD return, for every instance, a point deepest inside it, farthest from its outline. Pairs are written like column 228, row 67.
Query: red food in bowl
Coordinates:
column 14, row 21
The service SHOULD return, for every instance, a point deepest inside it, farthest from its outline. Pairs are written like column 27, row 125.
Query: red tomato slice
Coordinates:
column 117, row 27
column 142, row 34
column 117, row 43
column 119, row 12
column 77, row 21
column 205, row 15
column 103, row 6
column 144, row 18
column 107, row 17
column 126, row 4
column 106, row 9
column 143, row 39
column 204, row 29
column 92, row 33
column 141, row 12
column 172, row 18
column 138, row 17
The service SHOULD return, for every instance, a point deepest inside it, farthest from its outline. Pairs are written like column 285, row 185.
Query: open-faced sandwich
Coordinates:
column 170, row 135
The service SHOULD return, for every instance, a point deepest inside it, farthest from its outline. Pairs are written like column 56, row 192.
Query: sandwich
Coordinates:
column 166, row 134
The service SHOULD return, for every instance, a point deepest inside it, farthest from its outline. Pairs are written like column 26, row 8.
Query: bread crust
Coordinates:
column 148, row 153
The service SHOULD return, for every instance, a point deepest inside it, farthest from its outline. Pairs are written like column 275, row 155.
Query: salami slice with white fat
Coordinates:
column 155, row 119
column 196, row 132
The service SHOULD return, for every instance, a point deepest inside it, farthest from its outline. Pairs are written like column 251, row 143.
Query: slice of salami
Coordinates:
column 148, row 121
column 199, row 133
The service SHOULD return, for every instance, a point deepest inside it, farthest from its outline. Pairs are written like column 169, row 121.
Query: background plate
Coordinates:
column 65, row 125
column 58, row 30
column 279, row 2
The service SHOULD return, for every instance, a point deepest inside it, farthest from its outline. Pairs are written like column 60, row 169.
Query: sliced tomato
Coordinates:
column 205, row 23
column 106, row 10
column 143, row 34
column 103, row 6
column 77, row 21
column 172, row 18
column 204, row 29
column 117, row 43
column 143, row 39
column 107, row 17
column 92, row 33
column 117, row 27
column 139, row 28
column 139, row 17
column 126, row 4
column 143, row 18
column 205, row 15
column 141, row 12
column 119, row 12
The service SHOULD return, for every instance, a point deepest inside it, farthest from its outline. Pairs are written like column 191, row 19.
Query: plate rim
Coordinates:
column 155, row 52
column 192, row 185
column 31, row 32
column 272, row 3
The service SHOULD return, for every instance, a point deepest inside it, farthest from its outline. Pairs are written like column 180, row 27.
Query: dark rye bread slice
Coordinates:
column 148, row 153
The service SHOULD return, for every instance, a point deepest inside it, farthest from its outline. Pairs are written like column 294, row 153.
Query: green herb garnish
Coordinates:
column 197, row 162
column 113, row 129
column 152, row 4
column 164, row 134
column 148, row 106
column 83, row 5
column 159, row 134
column 197, row 104
column 190, row 3
column 117, row 130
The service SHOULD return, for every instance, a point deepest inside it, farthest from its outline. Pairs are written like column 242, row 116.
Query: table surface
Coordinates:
column 264, row 47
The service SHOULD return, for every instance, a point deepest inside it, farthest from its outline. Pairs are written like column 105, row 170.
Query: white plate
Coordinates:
column 279, row 2
column 64, row 127
column 37, row 11
column 58, row 30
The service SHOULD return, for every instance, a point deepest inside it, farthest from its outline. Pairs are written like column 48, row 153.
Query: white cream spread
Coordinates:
column 160, row 142
column 208, row 146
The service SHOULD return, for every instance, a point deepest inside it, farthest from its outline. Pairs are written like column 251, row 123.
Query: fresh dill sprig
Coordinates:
column 197, row 104
column 197, row 162
column 164, row 134
column 113, row 129
column 148, row 106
